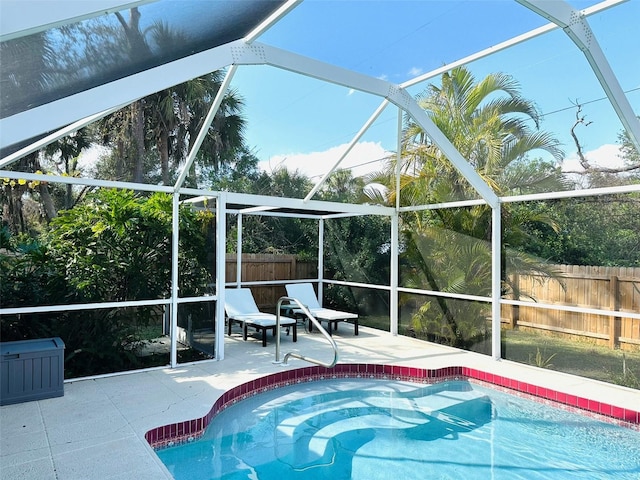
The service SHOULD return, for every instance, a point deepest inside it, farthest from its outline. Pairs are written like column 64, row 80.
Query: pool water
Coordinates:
column 376, row 429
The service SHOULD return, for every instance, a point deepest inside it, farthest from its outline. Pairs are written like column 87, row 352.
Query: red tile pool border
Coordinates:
column 187, row 431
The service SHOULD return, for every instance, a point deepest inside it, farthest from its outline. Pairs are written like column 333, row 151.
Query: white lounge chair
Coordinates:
column 241, row 308
column 305, row 294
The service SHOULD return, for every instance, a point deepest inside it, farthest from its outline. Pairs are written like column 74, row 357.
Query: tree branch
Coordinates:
column 581, row 120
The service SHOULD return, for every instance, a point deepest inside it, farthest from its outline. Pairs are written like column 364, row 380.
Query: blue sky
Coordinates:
column 303, row 122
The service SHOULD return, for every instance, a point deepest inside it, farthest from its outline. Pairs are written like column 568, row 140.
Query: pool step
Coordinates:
column 308, row 439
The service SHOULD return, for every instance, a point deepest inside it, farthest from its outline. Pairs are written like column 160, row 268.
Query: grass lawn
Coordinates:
column 555, row 353
column 571, row 356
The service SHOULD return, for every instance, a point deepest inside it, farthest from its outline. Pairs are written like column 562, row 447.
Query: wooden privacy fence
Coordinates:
column 269, row 267
column 606, row 288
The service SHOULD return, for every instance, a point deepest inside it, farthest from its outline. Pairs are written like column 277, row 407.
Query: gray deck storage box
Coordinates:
column 31, row 370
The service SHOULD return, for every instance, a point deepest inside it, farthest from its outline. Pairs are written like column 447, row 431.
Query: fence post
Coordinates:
column 614, row 323
column 515, row 309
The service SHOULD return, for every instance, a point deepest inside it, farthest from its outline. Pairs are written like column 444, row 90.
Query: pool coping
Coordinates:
column 190, row 430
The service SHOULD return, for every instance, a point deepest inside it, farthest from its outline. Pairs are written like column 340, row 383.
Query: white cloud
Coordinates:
column 365, row 157
column 607, row 155
column 415, row 71
column 350, row 92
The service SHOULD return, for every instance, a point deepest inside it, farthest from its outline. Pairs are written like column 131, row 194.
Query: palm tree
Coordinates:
column 65, row 153
column 176, row 115
column 489, row 123
column 164, row 125
column 30, row 70
column 225, row 141
column 495, row 129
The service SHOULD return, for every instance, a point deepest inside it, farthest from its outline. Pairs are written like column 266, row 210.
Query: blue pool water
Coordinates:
column 374, row 429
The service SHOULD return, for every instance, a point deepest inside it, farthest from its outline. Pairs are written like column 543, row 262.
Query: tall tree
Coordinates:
column 27, row 85
column 496, row 130
column 172, row 119
column 155, row 134
column 64, row 154
column 490, row 124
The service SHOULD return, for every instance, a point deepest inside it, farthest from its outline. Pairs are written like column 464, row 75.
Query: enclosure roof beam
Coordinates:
column 63, row 132
column 258, row 210
column 59, row 113
column 91, row 182
column 506, row 44
column 311, row 205
column 277, row 214
column 352, row 144
column 259, row 53
column 575, row 25
column 591, row 192
column 271, row 20
column 262, row 205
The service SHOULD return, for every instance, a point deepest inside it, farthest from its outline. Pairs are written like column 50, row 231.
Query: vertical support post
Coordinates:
column 175, row 238
column 221, row 269
column 614, row 322
column 393, row 303
column 320, row 258
column 239, row 253
column 395, row 248
column 496, row 280
column 398, row 158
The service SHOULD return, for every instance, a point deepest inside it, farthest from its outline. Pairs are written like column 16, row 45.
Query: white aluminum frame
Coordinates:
column 80, row 109
column 575, row 25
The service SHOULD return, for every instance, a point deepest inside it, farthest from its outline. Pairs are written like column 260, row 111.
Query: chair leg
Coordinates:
column 355, row 326
column 264, row 337
column 295, row 332
column 244, row 331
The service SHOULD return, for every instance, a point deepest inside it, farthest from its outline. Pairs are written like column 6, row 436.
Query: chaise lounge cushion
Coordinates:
column 306, row 295
column 241, row 307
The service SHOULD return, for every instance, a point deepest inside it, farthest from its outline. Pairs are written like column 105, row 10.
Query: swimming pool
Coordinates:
column 369, row 428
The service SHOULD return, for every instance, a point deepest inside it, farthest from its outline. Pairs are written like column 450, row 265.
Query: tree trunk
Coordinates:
column 163, row 150
column 13, row 210
column 47, row 202
column 137, row 126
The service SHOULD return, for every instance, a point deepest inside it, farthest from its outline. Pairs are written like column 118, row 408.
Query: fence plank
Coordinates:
column 269, row 267
column 614, row 293
column 606, row 288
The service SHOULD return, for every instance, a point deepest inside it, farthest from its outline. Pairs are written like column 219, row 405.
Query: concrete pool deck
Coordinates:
column 97, row 429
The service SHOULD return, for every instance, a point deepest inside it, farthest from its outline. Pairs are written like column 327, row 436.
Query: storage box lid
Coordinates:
column 28, row 346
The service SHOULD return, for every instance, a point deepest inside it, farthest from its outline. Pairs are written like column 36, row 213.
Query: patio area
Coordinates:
column 141, row 142
column 96, row 430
